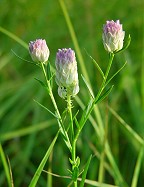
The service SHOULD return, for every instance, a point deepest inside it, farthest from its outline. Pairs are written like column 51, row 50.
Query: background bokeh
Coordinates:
column 34, row 19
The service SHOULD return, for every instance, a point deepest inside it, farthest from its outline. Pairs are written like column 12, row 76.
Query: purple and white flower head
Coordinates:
column 66, row 73
column 39, row 51
column 113, row 36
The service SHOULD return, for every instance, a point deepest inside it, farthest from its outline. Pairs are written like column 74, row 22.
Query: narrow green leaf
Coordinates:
column 45, row 108
column 76, row 122
column 10, row 171
column 75, row 119
column 89, row 108
column 85, row 172
column 116, row 73
column 137, row 168
column 65, row 135
column 5, row 165
column 98, row 67
column 102, row 97
column 42, row 83
column 43, row 162
column 86, row 112
column 92, row 120
column 34, row 63
column 88, row 86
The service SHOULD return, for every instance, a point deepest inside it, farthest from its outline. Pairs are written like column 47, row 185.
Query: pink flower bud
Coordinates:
column 39, row 50
column 66, row 73
column 113, row 36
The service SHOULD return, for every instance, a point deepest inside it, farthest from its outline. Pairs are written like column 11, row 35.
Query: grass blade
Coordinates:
column 98, row 67
column 118, row 177
column 86, row 113
column 42, row 83
column 43, row 162
column 115, row 73
column 102, row 97
column 137, row 168
column 5, row 165
column 85, row 172
column 74, row 39
column 14, row 37
column 131, row 132
column 88, row 86
column 45, row 108
column 34, row 63
column 25, row 131
column 10, row 171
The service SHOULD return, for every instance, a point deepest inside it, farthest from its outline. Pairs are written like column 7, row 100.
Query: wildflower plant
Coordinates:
column 66, row 78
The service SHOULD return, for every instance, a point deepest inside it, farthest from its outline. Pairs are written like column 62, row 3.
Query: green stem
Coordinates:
column 73, row 153
column 62, row 128
column 74, row 158
column 51, row 93
column 69, row 106
column 105, row 76
column 97, row 96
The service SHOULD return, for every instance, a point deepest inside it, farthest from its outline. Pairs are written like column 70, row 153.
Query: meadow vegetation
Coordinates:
column 28, row 131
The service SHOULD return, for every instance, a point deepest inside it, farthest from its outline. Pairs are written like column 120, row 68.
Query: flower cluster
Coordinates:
column 66, row 65
column 113, row 36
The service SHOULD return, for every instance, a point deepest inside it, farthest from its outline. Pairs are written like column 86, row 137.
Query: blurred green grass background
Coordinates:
column 44, row 19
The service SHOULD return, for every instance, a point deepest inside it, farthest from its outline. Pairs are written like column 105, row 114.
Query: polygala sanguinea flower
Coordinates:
column 39, row 50
column 66, row 73
column 113, row 36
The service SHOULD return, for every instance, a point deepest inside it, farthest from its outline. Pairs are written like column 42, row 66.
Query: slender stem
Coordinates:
column 74, row 158
column 97, row 96
column 62, row 128
column 69, row 106
column 73, row 153
column 50, row 92
column 79, row 54
column 106, row 75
